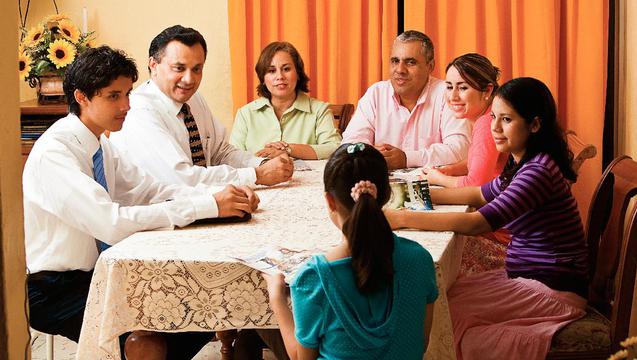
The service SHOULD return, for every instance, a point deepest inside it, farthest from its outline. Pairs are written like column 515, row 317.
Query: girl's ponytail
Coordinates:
column 356, row 175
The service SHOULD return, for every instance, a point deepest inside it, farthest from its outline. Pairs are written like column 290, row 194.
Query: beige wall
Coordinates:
column 131, row 25
column 630, row 115
column 13, row 268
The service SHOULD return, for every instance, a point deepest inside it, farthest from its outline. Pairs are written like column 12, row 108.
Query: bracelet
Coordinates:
column 288, row 149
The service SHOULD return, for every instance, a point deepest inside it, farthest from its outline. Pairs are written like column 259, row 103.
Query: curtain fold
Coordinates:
column 561, row 42
column 344, row 44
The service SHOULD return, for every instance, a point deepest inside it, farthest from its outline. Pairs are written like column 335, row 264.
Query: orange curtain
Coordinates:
column 561, row 42
column 344, row 44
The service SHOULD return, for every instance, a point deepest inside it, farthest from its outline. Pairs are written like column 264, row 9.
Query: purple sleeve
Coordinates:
column 528, row 190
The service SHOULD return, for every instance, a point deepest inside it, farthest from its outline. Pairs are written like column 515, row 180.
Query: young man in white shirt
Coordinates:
column 79, row 192
column 170, row 131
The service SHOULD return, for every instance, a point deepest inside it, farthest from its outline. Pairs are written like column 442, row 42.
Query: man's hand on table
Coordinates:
column 396, row 158
column 276, row 170
column 236, row 201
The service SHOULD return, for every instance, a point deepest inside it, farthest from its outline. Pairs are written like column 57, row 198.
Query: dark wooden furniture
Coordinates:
column 581, row 150
column 35, row 119
column 342, row 115
column 612, row 244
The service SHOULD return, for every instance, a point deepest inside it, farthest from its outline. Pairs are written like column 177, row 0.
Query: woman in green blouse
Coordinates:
column 284, row 118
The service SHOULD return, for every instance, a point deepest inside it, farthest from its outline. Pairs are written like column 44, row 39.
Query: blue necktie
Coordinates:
column 98, row 175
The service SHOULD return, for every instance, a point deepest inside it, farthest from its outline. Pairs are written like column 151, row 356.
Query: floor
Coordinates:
column 64, row 349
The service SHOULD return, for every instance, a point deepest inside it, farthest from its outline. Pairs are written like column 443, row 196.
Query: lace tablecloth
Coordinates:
column 188, row 280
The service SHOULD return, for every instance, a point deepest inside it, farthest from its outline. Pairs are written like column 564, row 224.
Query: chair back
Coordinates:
column 342, row 115
column 612, row 245
column 581, row 151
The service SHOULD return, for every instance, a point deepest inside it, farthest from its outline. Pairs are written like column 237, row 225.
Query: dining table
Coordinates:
column 192, row 278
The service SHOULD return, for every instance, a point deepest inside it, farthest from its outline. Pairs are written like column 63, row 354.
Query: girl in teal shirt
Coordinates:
column 371, row 297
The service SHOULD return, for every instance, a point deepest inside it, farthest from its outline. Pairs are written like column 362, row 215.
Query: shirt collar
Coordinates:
column 173, row 106
column 84, row 136
column 421, row 98
column 302, row 103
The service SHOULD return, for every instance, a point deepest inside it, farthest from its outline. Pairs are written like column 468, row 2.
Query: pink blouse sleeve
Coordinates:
column 483, row 156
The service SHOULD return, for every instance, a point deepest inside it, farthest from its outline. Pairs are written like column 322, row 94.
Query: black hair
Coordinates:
column 369, row 235
column 96, row 69
column 186, row 36
column 531, row 99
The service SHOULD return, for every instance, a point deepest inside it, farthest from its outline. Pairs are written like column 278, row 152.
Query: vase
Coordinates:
column 50, row 89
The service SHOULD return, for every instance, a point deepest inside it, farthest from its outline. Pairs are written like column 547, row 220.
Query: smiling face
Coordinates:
column 465, row 101
column 180, row 70
column 281, row 77
column 510, row 131
column 107, row 109
column 409, row 69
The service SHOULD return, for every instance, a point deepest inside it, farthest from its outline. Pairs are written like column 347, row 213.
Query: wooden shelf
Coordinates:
column 44, row 115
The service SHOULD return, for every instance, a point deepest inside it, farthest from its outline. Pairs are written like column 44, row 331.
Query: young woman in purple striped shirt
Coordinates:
column 514, row 312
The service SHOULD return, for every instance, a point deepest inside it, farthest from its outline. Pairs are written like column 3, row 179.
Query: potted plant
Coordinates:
column 46, row 50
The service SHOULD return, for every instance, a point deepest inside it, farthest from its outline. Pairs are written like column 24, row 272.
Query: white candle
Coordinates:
column 84, row 20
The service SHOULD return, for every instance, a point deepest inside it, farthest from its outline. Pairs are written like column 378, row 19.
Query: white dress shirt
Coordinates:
column 154, row 138
column 65, row 209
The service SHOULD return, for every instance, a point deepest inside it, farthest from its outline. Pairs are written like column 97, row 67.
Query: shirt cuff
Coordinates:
column 256, row 161
column 205, row 207
column 247, row 176
column 414, row 158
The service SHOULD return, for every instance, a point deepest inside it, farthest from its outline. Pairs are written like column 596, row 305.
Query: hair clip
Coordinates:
column 352, row 148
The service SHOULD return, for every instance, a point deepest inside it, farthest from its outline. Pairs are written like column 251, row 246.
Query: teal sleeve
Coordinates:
column 308, row 299
column 430, row 277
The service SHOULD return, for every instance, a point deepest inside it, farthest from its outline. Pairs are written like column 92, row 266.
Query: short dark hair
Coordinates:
column 186, row 36
column 96, row 69
column 477, row 71
column 414, row 35
column 264, row 63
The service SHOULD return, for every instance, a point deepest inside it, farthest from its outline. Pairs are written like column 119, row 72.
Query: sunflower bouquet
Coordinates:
column 49, row 47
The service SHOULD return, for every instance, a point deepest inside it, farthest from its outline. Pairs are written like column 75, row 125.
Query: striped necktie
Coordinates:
column 98, row 175
column 196, row 149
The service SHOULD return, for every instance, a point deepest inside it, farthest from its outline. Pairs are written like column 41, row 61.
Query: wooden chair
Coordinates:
column 612, row 245
column 342, row 115
column 581, row 151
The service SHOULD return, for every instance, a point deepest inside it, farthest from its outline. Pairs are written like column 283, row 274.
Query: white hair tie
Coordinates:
column 363, row 187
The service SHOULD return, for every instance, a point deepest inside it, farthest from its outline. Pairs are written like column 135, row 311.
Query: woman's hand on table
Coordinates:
column 269, row 152
column 234, row 201
column 274, row 149
column 435, row 176
column 277, row 289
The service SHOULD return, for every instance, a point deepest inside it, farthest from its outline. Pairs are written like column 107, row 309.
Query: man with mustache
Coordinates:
column 406, row 117
column 81, row 195
column 170, row 131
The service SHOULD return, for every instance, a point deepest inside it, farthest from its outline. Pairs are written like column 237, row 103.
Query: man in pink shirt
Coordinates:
column 406, row 117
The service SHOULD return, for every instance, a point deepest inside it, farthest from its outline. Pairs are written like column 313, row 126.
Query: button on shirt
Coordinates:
column 307, row 121
column 429, row 135
column 154, row 138
column 65, row 209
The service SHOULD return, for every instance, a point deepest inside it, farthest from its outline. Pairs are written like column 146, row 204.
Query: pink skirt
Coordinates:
column 495, row 317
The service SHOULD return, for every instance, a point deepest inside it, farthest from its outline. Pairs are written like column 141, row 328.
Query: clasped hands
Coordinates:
column 273, row 149
column 395, row 158
column 236, row 201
